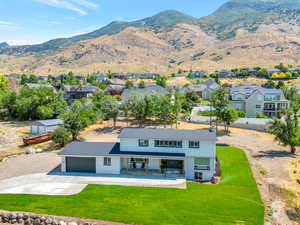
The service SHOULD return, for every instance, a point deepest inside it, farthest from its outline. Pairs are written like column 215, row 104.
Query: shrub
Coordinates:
column 61, row 136
column 260, row 116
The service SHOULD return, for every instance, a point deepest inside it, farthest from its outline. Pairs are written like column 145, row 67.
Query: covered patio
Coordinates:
column 152, row 166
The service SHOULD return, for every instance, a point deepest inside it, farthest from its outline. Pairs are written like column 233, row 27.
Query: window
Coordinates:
column 201, row 164
column 143, row 143
column 258, row 106
column 107, row 161
column 168, row 144
column 198, row 176
column 194, row 144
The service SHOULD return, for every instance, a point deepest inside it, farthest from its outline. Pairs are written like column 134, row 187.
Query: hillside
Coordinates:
column 236, row 35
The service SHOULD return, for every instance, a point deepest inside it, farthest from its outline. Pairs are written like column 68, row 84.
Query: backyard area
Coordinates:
column 235, row 200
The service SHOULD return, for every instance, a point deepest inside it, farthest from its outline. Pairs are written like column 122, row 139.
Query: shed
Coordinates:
column 43, row 126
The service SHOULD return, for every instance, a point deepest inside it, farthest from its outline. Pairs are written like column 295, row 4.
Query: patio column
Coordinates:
column 127, row 161
column 147, row 165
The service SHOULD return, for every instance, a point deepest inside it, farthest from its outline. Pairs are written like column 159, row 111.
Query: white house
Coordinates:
column 163, row 152
column 43, row 126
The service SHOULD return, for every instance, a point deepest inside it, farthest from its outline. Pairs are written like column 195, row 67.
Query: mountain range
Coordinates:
column 240, row 33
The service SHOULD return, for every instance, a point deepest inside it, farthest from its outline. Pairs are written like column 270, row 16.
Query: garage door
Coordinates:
column 84, row 165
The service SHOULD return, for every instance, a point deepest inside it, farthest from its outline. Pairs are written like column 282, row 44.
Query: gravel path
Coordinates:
column 29, row 164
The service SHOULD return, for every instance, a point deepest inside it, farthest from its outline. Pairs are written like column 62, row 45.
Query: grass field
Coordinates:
column 235, row 200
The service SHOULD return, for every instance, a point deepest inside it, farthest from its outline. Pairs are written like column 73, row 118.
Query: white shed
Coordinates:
column 43, row 126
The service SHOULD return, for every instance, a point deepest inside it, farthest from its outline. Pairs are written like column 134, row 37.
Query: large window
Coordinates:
column 107, row 161
column 143, row 143
column 201, row 164
column 194, row 144
column 168, row 144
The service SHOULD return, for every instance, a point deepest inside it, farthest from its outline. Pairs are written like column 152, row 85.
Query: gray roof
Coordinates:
column 81, row 88
column 152, row 89
column 88, row 148
column 107, row 149
column 53, row 122
column 167, row 134
column 33, row 85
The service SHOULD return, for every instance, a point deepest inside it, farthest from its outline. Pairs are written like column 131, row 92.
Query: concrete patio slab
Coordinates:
column 70, row 184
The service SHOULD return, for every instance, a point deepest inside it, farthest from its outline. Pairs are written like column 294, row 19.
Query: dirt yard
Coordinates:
column 11, row 139
column 276, row 170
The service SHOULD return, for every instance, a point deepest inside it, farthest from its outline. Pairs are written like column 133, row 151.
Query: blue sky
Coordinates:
column 36, row 21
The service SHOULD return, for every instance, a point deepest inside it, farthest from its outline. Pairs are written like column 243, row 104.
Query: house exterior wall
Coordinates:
column 239, row 105
column 206, row 148
column 255, row 105
column 118, row 162
column 115, row 167
column 189, row 169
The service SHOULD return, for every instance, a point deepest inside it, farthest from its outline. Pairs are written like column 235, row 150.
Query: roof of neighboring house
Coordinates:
column 249, row 89
column 105, row 149
column 209, row 83
column 270, row 91
column 81, row 88
column 53, row 122
column 167, row 134
column 273, row 70
column 116, row 81
column 153, row 89
column 196, row 88
column 30, row 85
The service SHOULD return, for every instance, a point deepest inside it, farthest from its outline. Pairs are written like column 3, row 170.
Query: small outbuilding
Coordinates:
column 43, row 126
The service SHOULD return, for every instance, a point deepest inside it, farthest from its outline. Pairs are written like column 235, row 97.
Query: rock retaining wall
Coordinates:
column 7, row 217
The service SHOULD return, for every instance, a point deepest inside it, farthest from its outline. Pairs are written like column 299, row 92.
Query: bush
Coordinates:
column 61, row 136
column 260, row 116
column 241, row 114
column 208, row 113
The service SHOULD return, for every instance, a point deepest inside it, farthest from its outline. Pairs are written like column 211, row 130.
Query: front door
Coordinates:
column 198, row 176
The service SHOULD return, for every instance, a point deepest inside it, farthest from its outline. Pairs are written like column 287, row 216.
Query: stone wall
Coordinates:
column 7, row 217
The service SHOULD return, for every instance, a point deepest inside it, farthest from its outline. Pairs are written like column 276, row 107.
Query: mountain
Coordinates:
column 248, row 14
column 3, row 44
column 163, row 19
column 241, row 33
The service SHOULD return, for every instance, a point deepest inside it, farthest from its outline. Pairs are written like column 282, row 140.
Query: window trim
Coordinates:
column 142, row 143
column 198, row 167
column 167, row 144
column 194, row 146
column 107, row 161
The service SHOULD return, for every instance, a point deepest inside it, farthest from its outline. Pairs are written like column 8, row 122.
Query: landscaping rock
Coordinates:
column 72, row 223
column 39, row 150
column 30, row 151
column 62, row 223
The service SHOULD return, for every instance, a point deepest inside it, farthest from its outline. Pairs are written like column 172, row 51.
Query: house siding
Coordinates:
column 206, row 148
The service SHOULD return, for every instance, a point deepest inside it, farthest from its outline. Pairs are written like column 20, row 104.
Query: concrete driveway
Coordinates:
column 61, row 184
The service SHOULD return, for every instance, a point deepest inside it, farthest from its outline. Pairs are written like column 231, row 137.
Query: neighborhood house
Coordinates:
column 189, row 154
column 204, row 89
column 253, row 100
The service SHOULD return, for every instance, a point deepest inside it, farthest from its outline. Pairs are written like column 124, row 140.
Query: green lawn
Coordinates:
column 235, row 200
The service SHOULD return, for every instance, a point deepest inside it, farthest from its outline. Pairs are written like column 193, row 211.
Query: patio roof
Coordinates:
column 108, row 149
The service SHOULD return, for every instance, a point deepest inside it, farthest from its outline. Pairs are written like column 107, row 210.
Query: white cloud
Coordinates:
column 5, row 23
column 55, row 22
column 74, row 5
column 86, row 3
